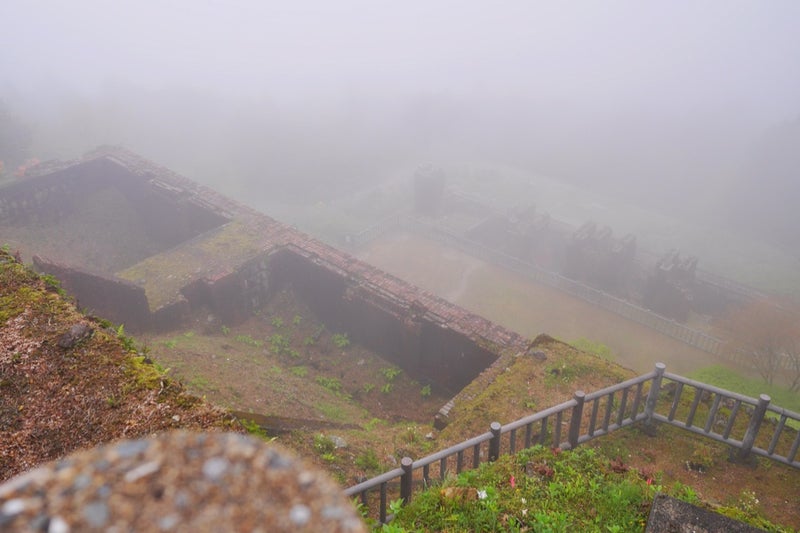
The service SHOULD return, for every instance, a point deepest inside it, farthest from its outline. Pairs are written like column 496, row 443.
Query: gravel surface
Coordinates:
column 177, row 481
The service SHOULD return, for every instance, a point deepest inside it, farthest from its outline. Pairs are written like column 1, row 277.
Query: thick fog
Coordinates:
column 687, row 107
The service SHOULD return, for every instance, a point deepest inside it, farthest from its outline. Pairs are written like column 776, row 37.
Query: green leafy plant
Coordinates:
column 387, row 388
column 225, row 330
column 277, row 322
column 390, row 373
column 296, row 320
column 395, row 505
column 426, row 391
column 53, row 283
column 252, row 427
column 332, row 384
column 323, row 444
column 368, row 461
column 368, row 387
column 702, row 458
column 127, row 342
column 248, row 340
column 373, row 423
column 278, row 343
column 529, row 404
column 299, row 371
column 340, row 340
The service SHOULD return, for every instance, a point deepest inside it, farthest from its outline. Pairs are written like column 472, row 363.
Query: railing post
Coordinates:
column 494, row 444
column 752, row 429
column 652, row 399
column 406, row 480
column 575, row 421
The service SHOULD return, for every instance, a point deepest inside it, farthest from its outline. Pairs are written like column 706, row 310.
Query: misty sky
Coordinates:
column 685, row 56
column 663, row 103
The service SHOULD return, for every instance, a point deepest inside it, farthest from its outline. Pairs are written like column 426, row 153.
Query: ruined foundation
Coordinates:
column 144, row 247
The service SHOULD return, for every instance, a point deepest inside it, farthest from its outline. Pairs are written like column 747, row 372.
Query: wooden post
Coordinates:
column 575, row 421
column 652, row 398
column 752, row 429
column 406, row 480
column 494, row 444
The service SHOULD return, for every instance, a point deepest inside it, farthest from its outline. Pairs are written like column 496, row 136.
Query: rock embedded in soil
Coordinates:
column 179, row 481
column 76, row 334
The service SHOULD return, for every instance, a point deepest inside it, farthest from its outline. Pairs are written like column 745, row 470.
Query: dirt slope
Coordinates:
column 68, row 381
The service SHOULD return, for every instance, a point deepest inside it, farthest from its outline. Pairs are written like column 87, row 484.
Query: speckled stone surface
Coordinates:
column 177, row 481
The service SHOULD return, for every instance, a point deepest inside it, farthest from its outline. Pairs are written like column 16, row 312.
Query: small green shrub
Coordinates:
column 323, row 444
column 127, row 342
column 702, row 457
column 529, row 404
column 387, row 388
column 332, row 384
column 299, row 371
column 252, row 427
column 426, row 391
column 390, row 373
column 368, row 387
column 225, row 330
column 277, row 322
column 373, row 423
column 368, row 461
column 279, row 344
column 53, row 283
column 248, row 340
column 296, row 320
column 340, row 340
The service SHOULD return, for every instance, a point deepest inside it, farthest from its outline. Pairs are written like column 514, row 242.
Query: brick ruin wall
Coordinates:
column 427, row 336
column 117, row 300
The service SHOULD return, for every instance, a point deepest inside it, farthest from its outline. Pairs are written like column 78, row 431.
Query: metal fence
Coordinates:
column 749, row 426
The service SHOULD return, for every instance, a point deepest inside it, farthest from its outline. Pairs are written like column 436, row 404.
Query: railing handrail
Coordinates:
column 374, row 482
column 711, row 388
column 643, row 409
column 622, row 385
column 536, row 417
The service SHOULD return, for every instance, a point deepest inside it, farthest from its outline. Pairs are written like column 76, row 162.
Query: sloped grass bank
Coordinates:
column 546, row 490
column 731, row 380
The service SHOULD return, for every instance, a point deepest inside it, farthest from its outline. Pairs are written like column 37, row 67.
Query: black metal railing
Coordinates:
column 718, row 414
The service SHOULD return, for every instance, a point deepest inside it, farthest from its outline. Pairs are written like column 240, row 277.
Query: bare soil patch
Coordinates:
column 56, row 396
column 285, row 362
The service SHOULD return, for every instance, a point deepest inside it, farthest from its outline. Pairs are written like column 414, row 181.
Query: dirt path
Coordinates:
column 526, row 307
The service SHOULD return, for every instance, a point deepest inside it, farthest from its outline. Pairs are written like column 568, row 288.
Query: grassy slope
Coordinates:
column 106, row 392
column 54, row 400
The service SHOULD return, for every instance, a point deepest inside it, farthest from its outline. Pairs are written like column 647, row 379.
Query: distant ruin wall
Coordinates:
column 117, row 300
column 427, row 336
column 169, row 214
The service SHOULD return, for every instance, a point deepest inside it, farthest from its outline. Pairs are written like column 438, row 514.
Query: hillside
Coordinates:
column 68, row 381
